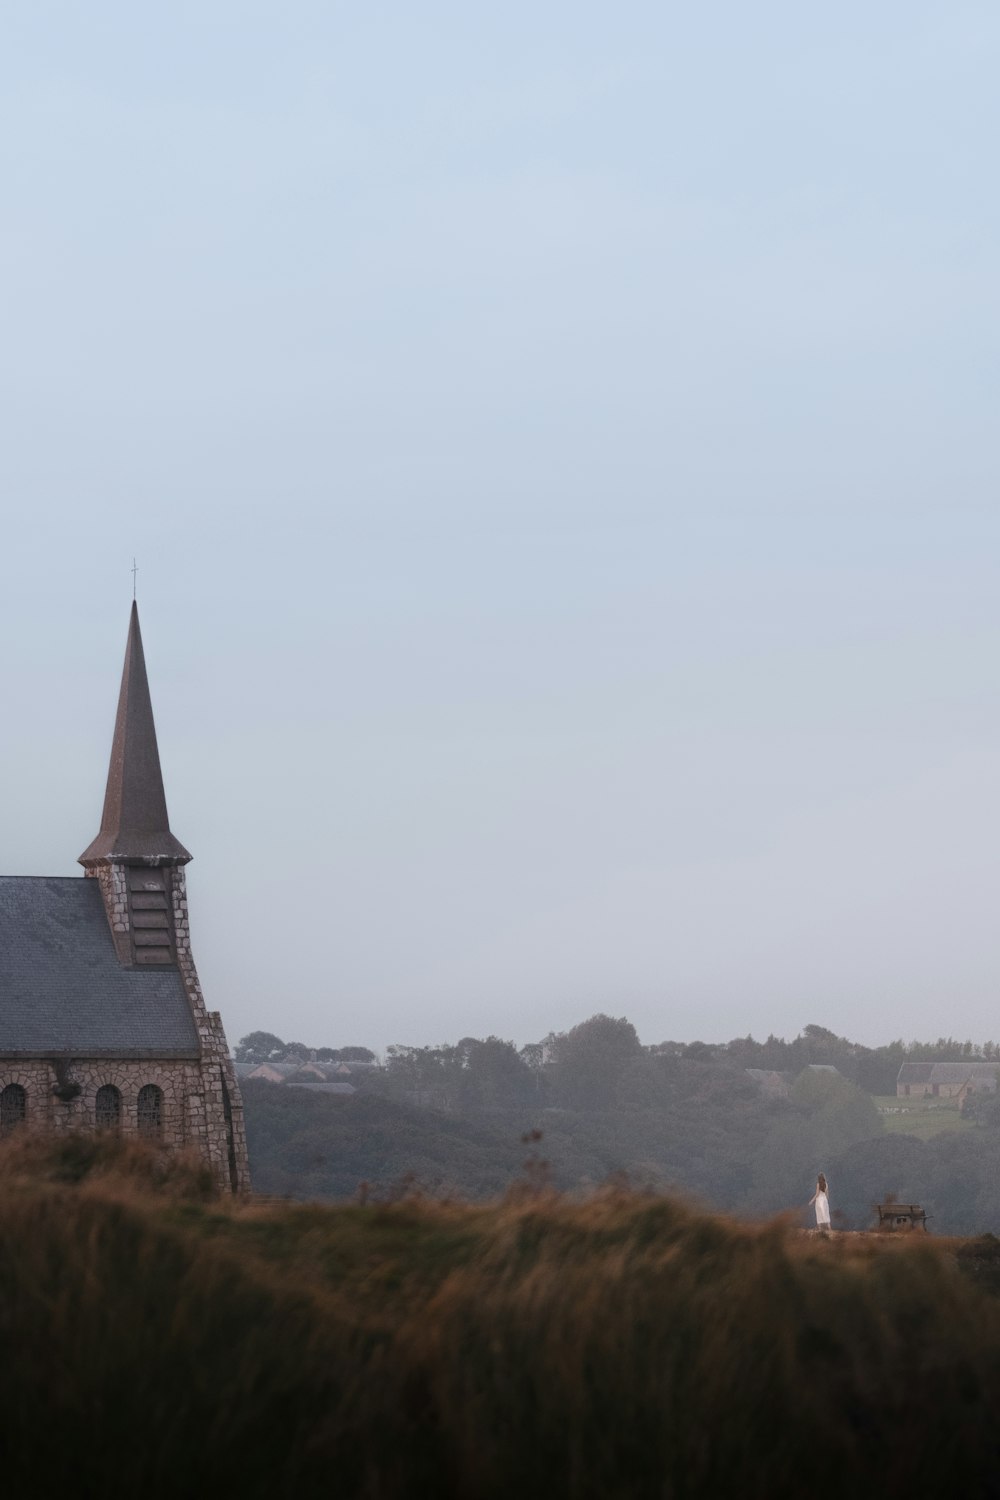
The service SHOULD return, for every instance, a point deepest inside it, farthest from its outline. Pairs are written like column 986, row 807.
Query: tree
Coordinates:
column 698, row 1052
column 589, row 1062
column 496, row 1076
column 344, row 1054
column 821, row 1034
column 428, row 1076
column 259, row 1047
column 841, row 1112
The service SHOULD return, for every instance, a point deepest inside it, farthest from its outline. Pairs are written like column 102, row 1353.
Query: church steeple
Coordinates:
column 134, row 825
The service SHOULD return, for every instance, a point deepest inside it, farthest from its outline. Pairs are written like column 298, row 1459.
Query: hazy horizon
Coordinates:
column 559, row 450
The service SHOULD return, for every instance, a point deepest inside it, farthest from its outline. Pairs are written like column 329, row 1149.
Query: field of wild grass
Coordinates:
column 157, row 1341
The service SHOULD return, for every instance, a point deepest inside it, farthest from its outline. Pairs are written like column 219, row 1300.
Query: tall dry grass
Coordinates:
column 153, row 1341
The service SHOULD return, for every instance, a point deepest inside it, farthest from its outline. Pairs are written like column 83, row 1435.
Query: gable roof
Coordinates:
column 63, row 991
column 321, row 1088
column 321, row 1072
column 961, row 1072
column 948, row 1072
column 914, row 1072
column 274, row 1072
column 134, row 823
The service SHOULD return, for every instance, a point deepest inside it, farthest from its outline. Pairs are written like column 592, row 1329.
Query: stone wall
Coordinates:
column 113, row 882
column 205, row 1106
column 179, row 1082
column 225, row 1134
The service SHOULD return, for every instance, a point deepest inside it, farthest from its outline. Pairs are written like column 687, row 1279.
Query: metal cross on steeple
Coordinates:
column 134, row 572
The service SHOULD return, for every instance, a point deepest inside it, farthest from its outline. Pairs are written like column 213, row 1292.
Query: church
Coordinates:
column 103, row 1025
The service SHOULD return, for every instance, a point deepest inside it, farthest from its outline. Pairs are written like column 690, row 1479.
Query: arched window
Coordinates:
column 150, row 1111
column 108, row 1107
column 13, row 1107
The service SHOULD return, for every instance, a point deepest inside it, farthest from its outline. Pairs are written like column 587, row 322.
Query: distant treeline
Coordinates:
column 588, row 1061
column 264, row 1046
column 459, row 1119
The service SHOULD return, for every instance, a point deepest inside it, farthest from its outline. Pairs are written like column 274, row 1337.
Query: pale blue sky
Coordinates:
column 559, row 445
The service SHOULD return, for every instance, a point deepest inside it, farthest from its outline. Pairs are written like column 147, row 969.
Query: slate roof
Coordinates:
column 321, row 1088
column 914, row 1072
column 948, row 1072
column 62, row 989
column 961, row 1072
column 312, row 1072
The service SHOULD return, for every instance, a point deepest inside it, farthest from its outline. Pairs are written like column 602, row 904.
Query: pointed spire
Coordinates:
column 134, row 825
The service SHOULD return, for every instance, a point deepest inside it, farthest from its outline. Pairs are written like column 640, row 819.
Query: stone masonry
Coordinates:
column 203, row 1108
column 79, row 1014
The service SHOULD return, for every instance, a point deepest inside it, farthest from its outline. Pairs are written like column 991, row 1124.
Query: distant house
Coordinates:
column 773, row 1084
column 324, row 1078
column 946, row 1080
column 274, row 1072
column 913, row 1079
column 320, row 1088
column 822, row 1068
column 314, row 1072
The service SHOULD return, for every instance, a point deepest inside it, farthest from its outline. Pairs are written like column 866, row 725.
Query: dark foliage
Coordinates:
column 309, row 1145
column 450, row 1118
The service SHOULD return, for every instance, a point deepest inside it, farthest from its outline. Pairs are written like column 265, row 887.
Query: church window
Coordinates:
column 13, row 1107
column 150, row 1110
column 108, row 1107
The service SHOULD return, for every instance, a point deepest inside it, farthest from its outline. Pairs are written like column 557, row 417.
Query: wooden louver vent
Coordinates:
column 150, row 917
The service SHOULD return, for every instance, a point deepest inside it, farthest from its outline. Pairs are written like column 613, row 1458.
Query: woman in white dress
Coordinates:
column 821, row 1198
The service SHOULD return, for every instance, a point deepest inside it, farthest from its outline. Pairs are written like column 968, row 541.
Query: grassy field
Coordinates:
column 158, row 1341
column 923, row 1118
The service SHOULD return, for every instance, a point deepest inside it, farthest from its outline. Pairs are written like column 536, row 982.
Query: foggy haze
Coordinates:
column 559, row 448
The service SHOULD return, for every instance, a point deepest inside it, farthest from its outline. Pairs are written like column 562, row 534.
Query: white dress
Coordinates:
column 822, row 1210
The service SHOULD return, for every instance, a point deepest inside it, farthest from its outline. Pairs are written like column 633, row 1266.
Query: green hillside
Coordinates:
column 691, row 1120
